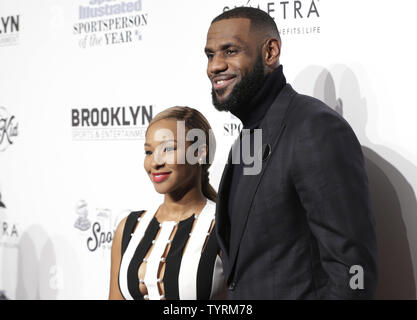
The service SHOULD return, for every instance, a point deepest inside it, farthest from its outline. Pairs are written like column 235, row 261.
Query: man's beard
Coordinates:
column 244, row 91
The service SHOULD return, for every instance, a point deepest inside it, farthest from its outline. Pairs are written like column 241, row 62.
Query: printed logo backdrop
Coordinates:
column 8, row 129
column 293, row 17
column 9, row 30
column 81, row 80
column 104, row 23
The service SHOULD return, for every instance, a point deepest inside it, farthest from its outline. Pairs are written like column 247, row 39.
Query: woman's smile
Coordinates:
column 160, row 176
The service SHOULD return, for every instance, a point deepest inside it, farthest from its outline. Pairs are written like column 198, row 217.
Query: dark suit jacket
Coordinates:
column 306, row 218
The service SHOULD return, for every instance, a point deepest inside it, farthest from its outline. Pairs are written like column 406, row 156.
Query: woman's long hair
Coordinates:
column 195, row 119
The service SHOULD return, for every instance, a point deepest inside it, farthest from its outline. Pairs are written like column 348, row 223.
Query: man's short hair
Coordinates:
column 260, row 20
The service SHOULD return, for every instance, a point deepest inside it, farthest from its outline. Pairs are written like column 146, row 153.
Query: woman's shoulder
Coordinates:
column 128, row 220
column 133, row 216
column 127, row 226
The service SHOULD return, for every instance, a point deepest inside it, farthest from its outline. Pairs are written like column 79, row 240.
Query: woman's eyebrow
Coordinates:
column 163, row 141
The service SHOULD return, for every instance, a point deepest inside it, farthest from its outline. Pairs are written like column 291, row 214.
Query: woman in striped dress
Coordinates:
column 170, row 250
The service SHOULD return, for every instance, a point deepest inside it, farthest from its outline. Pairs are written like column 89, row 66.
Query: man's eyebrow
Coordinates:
column 223, row 47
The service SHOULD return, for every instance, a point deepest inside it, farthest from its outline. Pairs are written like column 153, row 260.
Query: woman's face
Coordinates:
column 161, row 154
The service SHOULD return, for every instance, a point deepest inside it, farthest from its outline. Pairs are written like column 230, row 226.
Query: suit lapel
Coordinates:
column 272, row 126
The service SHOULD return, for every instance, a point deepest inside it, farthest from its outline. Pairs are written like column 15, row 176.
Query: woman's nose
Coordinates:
column 158, row 159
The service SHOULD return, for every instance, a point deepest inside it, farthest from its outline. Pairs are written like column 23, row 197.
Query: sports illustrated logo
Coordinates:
column 9, row 30
column 293, row 17
column 118, row 22
column 9, row 129
column 233, row 127
column 82, row 223
column 9, row 231
column 99, row 233
column 114, row 123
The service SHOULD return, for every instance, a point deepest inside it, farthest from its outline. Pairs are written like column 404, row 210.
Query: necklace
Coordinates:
column 166, row 217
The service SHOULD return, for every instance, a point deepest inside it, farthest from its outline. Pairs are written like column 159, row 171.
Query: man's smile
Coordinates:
column 221, row 82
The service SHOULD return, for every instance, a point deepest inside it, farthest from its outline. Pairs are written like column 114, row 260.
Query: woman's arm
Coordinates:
column 116, row 257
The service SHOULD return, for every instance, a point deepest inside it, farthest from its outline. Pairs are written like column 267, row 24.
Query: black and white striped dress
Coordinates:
column 189, row 274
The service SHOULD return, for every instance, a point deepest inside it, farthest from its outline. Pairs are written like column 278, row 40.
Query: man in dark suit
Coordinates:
column 301, row 227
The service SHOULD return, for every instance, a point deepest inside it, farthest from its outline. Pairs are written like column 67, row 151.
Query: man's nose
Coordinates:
column 216, row 65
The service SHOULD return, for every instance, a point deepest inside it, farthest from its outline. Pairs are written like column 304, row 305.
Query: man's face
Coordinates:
column 235, row 65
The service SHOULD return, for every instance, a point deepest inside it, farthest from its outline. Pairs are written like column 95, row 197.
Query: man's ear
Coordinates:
column 272, row 52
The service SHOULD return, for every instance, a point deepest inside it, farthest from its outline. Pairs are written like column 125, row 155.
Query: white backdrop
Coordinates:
column 64, row 187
